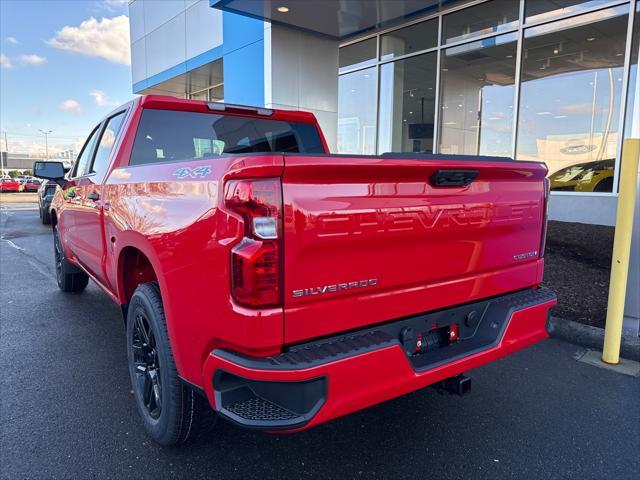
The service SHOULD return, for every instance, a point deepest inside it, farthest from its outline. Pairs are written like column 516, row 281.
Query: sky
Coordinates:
column 63, row 66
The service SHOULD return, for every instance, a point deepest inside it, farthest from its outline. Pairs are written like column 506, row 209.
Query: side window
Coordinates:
column 107, row 141
column 82, row 163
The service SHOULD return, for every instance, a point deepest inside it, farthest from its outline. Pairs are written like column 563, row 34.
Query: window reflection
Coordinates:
column 407, row 104
column 632, row 122
column 414, row 38
column 489, row 17
column 357, row 112
column 477, row 83
column 100, row 162
column 584, row 177
column 539, row 10
column 570, row 98
column 357, row 55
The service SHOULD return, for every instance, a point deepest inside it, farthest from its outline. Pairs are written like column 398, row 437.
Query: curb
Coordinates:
column 590, row 337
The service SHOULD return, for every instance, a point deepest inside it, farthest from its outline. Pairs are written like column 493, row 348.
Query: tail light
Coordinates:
column 256, row 279
column 545, row 214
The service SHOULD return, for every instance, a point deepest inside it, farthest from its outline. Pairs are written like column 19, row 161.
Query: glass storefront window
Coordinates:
column 413, row 38
column 540, row 10
column 203, row 95
column 357, row 112
column 632, row 121
column 489, row 17
column 477, row 92
column 570, row 94
column 211, row 94
column 407, row 104
column 357, row 55
column 216, row 94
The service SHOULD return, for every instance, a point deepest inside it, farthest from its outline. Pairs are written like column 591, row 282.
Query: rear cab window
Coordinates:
column 172, row 136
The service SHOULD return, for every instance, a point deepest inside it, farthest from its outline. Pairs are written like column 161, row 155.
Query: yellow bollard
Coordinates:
column 621, row 250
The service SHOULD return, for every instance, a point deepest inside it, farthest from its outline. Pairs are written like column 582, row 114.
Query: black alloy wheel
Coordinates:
column 58, row 253
column 172, row 412
column 69, row 277
column 147, row 365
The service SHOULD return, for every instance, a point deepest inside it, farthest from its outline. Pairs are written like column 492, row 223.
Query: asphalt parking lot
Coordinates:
column 66, row 409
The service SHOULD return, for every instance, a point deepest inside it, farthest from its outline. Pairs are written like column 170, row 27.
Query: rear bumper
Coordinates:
column 319, row 381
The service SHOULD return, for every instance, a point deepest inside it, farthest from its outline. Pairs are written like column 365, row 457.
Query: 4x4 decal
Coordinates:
column 197, row 172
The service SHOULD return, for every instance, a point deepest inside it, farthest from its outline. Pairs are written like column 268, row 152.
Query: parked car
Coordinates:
column 22, row 179
column 31, row 185
column 596, row 176
column 284, row 286
column 8, row 184
column 46, row 193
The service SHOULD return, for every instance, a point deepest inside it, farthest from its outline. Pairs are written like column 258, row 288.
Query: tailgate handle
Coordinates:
column 453, row 178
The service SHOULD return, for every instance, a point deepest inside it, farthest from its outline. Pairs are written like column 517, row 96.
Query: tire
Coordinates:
column 605, row 185
column 45, row 215
column 69, row 277
column 172, row 412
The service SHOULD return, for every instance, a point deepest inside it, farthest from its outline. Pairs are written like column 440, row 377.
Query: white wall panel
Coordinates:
column 158, row 12
column 593, row 209
column 166, row 46
column 138, row 60
column 203, row 28
column 300, row 78
column 319, row 73
column 166, row 33
column 285, row 65
column 301, row 73
column 136, row 20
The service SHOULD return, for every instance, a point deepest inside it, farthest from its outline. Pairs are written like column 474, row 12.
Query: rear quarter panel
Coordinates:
column 175, row 217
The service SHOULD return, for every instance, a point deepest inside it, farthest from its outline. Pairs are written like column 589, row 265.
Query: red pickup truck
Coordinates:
column 285, row 286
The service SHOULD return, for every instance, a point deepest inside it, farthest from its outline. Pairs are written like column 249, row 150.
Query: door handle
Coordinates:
column 94, row 196
column 453, row 177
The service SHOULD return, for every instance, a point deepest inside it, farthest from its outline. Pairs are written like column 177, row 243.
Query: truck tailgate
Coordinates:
column 370, row 239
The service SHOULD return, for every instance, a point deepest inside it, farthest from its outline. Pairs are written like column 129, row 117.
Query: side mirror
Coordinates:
column 49, row 170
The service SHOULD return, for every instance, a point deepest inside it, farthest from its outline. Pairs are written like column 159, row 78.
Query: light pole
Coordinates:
column 46, row 141
column 6, row 149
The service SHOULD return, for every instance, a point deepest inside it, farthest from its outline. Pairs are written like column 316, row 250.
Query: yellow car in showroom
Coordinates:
column 594, row 176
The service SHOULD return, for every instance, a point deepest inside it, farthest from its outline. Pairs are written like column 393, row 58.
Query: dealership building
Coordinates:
column 547, row 80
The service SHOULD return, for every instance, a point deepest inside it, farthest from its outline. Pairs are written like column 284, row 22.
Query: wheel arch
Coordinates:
column 604, row 185
column 138, row 263
column 134, row 268
column 54, row 217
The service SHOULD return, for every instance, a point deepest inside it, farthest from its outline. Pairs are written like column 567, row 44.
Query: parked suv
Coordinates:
column 46, row 192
